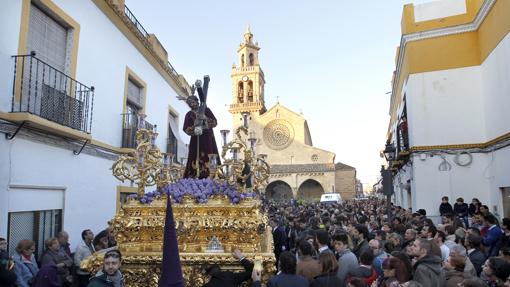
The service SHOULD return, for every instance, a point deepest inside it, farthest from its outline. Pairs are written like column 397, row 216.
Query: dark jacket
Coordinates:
column 7, row 277
column 287, row 280
column 360, row 248
column 47, row 277
column 461, row 210
column 477, row 257
column 454, row 277
column 102, row 280
column 445, row 208
column 428, row 272
column 229, row 278
column 279, row 240
column 491, row 240
column 326, row 280
column 308, row 268
column 473, row 209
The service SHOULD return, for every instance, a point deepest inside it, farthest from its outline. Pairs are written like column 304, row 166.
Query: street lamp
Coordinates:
column 387, row 183
column 389, row 151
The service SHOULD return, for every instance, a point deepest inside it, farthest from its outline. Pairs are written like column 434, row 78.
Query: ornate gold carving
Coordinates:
column 138, row 228
column 233, row 169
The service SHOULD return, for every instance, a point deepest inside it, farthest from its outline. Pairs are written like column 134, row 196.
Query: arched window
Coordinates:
column 240, row 93
column 252, row 59
column 242, row 60
column 250, row 92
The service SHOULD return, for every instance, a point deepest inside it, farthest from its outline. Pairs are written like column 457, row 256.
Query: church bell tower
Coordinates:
column 247, row 82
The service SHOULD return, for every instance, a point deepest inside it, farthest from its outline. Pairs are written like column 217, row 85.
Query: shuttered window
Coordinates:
column 135, row 94
column 47, row 38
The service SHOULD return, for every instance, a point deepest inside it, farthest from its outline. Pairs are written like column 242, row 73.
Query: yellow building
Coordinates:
column 298, row 169
column 449, row 131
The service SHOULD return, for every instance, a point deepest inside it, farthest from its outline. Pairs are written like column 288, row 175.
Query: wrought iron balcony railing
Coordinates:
column 129, row 128
column 49, row 93
column 135, row 22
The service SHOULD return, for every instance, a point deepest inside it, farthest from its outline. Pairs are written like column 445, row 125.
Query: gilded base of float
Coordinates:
column 138, row 229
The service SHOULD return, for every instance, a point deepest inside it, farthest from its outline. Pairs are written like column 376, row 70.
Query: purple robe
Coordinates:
column 206, row 141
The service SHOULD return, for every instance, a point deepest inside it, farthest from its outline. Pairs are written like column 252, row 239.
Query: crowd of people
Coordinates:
column 58, row 266
column 358, row 243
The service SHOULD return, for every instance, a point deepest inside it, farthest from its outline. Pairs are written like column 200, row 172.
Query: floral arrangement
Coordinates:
column 199, row 189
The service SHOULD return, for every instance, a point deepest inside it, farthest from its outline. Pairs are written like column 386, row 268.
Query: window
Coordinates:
column 33, row 225
column 252, row 59
column 250, row 92
column 172, row 139
column 135, row 96
column 505, row 193
column 48, row 38
column 240, row 93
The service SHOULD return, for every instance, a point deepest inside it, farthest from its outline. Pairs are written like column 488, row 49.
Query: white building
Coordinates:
column 450, row 119
column 49, row 111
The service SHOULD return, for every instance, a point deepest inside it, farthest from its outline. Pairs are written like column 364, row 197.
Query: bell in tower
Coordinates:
column 247, row 79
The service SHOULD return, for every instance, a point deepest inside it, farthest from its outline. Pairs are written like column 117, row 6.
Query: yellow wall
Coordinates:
column 452, row 51
column 409, row 26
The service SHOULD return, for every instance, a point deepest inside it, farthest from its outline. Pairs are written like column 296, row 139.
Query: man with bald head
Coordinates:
column 379, row 255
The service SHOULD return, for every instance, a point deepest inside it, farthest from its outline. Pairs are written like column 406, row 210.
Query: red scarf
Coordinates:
column 27, row 257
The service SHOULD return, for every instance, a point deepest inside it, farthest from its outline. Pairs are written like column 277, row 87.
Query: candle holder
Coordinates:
column 146, row 166
column 224, row 135
column 244, row 169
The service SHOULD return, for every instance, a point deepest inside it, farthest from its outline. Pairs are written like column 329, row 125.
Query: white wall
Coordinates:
column 86, row 183
column 45, row 175
column 10, row 16
column 460, row 106
column 103, row 55
column 496, row 90
column 445, row 107
column 439, row 9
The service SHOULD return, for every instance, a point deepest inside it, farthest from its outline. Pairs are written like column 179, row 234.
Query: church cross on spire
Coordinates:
column 248, row 36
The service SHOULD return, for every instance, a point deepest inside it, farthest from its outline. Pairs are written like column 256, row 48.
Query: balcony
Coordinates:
column 130, row 127
column 48, row 99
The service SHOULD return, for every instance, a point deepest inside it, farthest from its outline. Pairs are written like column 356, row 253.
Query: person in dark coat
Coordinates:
column 461, row 209
column 474, row 207
column 360, row 235
column 47, row 277
column 110, row 275
column 279, row 238
column 287, row 276
column 492, row 236
column 473, row 244
column 445, row 207
column 329, row 267
column 427, row 269
column 365, row 269
column 220, row 278
column 58, row 257
column 202, row 141
column 7, row 275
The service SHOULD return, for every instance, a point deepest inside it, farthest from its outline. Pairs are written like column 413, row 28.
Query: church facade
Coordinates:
column 298, row 169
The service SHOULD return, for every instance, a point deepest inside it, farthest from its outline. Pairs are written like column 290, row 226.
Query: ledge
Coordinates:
column 44, row 124
column 484, row 145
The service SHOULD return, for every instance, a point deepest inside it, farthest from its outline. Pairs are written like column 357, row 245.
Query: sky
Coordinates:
column 332, row 60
